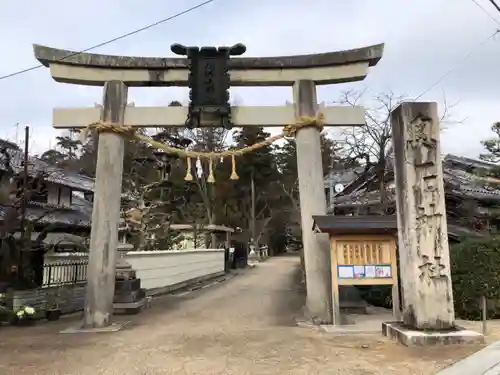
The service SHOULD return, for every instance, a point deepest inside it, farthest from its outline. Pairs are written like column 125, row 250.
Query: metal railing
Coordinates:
column 65, row 272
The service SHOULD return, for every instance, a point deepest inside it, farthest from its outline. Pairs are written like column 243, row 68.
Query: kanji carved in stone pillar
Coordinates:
column 422, row 229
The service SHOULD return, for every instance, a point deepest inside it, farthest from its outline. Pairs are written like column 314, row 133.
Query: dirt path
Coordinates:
column 243, row 326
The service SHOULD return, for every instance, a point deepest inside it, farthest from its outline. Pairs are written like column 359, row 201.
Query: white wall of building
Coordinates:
column 156, row 269
column 159, row 269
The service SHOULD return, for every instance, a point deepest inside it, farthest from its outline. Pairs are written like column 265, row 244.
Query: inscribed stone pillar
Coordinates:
column 312, row 202
column 421, row 215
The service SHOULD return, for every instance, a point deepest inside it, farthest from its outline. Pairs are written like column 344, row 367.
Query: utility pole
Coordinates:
column 211, row 191
column 25, row 180
column 24, row 199
column 17, row 133
column 331, row 187
column 253, row 226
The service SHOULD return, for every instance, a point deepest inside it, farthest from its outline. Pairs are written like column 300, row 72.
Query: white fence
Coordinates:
column 159, row 271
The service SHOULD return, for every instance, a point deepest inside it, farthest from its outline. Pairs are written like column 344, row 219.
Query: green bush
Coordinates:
column 475, row 272
column 376, row 295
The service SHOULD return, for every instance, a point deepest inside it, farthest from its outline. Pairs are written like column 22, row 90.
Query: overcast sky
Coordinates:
column 423, row 39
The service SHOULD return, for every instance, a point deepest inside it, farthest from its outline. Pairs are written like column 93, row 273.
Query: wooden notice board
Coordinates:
column 363, row 259
column 363, row 252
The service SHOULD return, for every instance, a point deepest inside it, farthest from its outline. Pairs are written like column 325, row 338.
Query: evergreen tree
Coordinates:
column 53, row 157
column 255, row 169
column 492, row 145
column 69, row 145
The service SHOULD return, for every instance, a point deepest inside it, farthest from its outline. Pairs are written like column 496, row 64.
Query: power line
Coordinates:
column 486, row 12
column 495, row 5
column 466, row 57
column 149, row 26
column 114, row 39
column 462, row 61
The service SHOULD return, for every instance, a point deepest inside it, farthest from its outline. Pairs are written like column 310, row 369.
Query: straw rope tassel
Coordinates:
column 189, row 175
column 234, row 175
column 211, row 177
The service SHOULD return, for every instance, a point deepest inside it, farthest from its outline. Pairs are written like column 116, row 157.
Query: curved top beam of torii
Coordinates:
column 95, row 69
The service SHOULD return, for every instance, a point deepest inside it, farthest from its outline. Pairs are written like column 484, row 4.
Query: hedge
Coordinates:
column 376, row 295
column 475, row 272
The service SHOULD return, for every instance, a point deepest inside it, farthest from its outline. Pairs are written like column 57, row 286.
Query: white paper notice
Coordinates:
column 383, row 271
column 346, row 272
column 370, row 271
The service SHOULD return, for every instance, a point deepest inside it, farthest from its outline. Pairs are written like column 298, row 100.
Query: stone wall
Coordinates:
column 71, row 298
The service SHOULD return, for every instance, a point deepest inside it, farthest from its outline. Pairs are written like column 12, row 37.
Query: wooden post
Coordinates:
column 484, row 308
column 106, row 213
column 396, row 310
column 335, row 283
column 312, row 202
column 195, row 236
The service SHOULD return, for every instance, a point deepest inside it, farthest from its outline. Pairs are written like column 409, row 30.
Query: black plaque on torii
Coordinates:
column 209, row 84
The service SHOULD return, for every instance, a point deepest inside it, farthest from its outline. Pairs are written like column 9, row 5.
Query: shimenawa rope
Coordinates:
column 130, row 131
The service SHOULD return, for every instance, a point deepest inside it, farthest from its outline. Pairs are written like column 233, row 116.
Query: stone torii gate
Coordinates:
column 117, row 73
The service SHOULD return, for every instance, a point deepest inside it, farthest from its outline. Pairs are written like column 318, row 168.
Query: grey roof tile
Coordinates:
column 79, row 214
column 457, row 182
column 54, row 174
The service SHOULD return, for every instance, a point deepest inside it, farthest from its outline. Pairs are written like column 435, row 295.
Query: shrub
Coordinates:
column 475, row 272
column 376, row 295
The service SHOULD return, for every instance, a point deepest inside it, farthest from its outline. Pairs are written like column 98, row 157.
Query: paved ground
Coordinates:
column 242, row 326
column 484, row 362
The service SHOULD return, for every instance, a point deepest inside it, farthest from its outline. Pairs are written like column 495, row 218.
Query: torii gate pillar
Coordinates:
column 313, row 202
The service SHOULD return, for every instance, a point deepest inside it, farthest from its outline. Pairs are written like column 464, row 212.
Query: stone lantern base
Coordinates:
column 129, row 297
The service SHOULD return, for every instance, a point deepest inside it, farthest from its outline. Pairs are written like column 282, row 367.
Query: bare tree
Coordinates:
column 371, row 144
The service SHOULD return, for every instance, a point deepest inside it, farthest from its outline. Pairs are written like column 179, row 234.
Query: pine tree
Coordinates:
column 53, row 157
column 69, row 145
column 257, row 171
column 492, row 145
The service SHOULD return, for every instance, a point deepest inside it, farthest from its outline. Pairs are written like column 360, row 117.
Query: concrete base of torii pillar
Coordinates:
column 129, row 297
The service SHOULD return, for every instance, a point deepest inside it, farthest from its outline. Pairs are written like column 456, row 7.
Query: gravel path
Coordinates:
column 242, row 326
